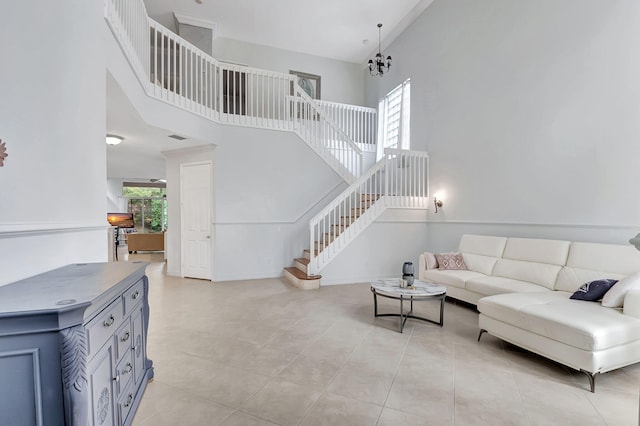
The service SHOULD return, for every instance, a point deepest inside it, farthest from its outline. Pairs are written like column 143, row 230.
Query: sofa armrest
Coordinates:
column 422, row 267
column 427, row 261
column 631, row 304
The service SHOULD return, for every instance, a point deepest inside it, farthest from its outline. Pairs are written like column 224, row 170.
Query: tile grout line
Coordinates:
column 324, row 389
column 395, row 374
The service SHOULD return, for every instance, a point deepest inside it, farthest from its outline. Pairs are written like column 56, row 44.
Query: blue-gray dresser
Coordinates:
column 73, row 345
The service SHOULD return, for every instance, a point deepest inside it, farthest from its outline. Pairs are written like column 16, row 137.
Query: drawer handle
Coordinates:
column 128, row 369
column 129, row 399
column 125, row 337
column 110, row 321
column 135, row 295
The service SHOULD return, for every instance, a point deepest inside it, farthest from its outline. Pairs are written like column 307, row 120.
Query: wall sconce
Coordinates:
column 437, row 203
column 114, row 139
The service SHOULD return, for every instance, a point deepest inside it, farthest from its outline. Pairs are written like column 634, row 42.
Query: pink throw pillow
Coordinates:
column 451, row 261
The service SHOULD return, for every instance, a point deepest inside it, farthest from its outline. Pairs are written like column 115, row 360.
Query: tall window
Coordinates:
column 148, row 203
column 394, row 112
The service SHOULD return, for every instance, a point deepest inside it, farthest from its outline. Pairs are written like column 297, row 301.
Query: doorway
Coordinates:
column 196, row 201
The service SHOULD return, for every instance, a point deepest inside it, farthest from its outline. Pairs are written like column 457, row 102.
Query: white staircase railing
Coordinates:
column 173, row 70
column 358, row 122
column 398, row 180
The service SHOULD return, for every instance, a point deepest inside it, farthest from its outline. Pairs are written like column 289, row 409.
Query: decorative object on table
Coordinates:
column 378, row 66
column 3, row 152
column 309, row 83
column 407, row 273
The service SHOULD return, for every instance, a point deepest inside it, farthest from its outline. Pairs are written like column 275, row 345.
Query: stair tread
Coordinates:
column 301, row 275
column 302, row 260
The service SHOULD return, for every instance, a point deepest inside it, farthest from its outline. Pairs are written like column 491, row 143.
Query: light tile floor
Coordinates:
column 262, row 353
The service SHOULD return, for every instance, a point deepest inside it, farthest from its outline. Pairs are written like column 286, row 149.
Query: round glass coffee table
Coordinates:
column 421, row 291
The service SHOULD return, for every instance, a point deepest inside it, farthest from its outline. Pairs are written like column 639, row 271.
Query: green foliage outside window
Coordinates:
column 149, row 208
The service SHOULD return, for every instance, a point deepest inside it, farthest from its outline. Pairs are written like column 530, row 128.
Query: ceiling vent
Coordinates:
column 177, row 137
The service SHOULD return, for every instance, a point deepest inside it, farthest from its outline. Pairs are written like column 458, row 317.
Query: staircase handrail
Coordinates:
column 398, row 180
column 349, row 191
column 134, row 29
column 359, row 122
column 314, row 103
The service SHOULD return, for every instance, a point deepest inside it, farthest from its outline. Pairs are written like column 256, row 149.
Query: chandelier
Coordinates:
column 377, row 66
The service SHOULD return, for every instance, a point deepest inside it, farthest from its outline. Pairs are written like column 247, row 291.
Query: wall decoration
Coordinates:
column 310, row 83
column 3, row 152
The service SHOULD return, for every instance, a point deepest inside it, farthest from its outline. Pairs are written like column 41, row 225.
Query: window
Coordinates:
column 148, row 203
column 394, row 119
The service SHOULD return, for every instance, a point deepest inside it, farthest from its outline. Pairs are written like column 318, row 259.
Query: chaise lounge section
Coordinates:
column 522, row 289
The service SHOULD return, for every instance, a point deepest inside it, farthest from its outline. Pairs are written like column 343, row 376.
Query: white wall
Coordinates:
column 52, row 104
column 340, row 81
column 380, row 251
column 267, row 185
column 529, row 111
column 115, row 202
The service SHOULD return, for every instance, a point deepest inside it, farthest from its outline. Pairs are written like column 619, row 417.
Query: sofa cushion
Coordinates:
column 452, row 278
column 482, row 244
column 593, row 261
column 587, row 326
column 593, row 290
column 570, row 279
column 430, row 259
column 479, row 263
column 614, row 298
column 451, row 261
column 538, row 273
column 489, row 286
column 554, row 252
column 616, row 258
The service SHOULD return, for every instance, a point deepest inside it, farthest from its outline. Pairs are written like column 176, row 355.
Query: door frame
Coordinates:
column 182, row 217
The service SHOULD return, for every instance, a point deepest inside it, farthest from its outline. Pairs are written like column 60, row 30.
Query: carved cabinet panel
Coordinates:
column 72, row 345
column 101, row 384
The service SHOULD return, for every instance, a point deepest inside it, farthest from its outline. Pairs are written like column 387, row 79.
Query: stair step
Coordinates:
column 307, row 254
column 303, row 260
column 301, row 275
column 370, row 197
column 347, row 220
column 338, row 229
column 328, row 237
column 320, row 245
column 301, row 264
column 302, row 280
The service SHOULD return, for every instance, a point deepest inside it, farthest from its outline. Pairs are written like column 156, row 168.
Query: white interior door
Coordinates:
column 196, row 189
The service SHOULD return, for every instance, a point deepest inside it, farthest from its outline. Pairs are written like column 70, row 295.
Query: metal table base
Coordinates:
column 404, row 317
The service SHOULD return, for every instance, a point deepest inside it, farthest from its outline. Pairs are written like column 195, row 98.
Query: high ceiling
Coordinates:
column 328, row 28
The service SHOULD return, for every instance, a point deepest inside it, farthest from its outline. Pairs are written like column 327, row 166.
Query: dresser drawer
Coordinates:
column 133, row 296
column 124, row 337
column 101, row 328
column 125, row 403
column 124, row 373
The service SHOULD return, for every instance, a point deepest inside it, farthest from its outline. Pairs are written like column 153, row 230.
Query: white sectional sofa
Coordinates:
column 522, row 286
